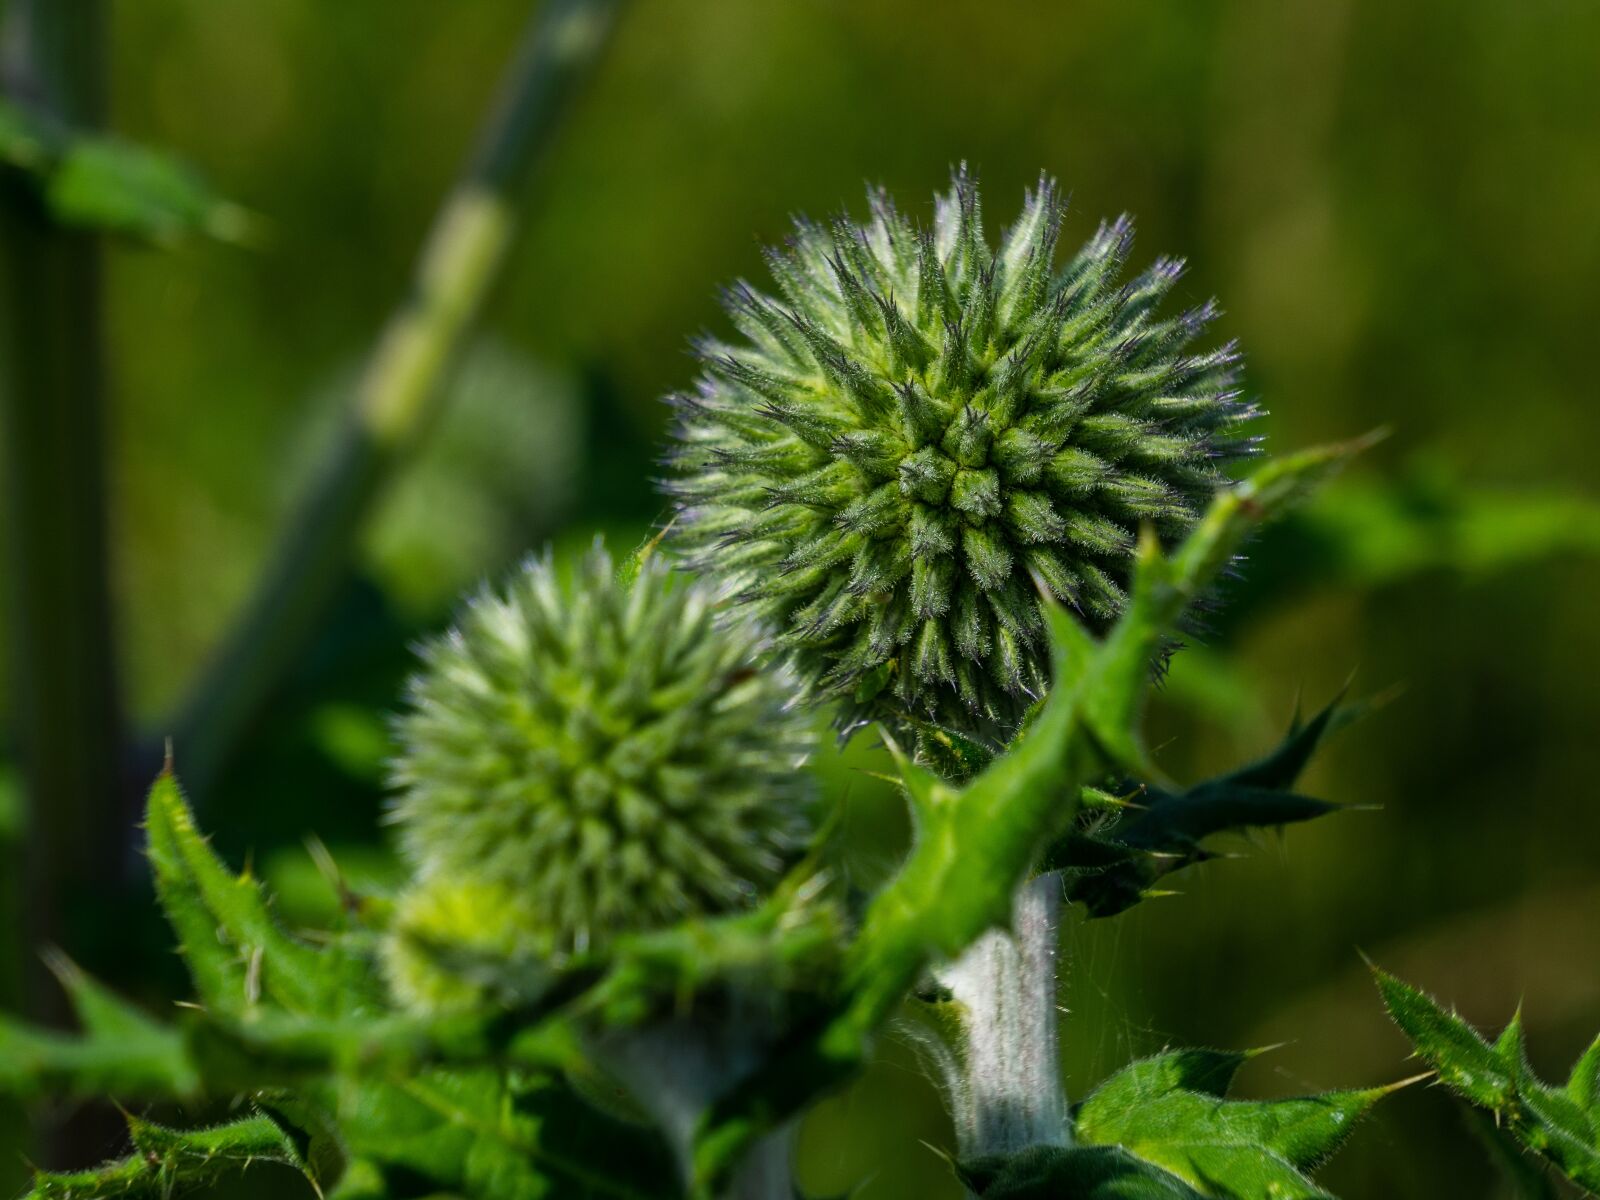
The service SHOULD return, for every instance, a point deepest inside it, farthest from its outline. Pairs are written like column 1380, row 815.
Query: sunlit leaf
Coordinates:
column 1560, row 1125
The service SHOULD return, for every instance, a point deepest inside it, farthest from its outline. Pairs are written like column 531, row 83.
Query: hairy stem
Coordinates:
column 1009, row 1095
column 767, row 1172
column 464, row 256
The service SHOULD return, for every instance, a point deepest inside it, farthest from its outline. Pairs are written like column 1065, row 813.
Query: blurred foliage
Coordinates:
column 113, row 185
column 1396, row 211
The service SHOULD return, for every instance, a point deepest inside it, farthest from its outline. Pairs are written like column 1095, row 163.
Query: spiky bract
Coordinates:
column 607, row 750
column 921, row 432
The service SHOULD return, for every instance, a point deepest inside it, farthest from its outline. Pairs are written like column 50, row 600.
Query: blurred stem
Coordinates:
column 1010, row 1094
column 767, row 1172
column 67, row 719
column 52, row 397
column 463, row 257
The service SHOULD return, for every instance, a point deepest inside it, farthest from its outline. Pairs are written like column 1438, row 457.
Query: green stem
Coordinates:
column 464, row 255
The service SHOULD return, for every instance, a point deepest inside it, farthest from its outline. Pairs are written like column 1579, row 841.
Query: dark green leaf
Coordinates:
column 1112, row 859
column 1079, row 1172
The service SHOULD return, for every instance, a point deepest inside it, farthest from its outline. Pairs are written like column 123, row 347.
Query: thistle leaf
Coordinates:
column 1110, row 865
column 1557, row 1124
column 240, row 957
column 1169, row 1110
column 162, row 1157
column 1082, row 1172
column 121, row 1051
column 1466, row 1063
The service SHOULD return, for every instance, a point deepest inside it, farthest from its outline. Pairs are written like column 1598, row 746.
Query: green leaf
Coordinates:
column 1558, row 1124
column 162, row 1157
column 113, row 185
column 1169, row 1110
column 1209, row 1072
column 1080, row 1172
column 1465, row 1062
column 499, row 1138
column 1583, row 1085
column 1110, row 865
column 241, row 959
column 121, row 1051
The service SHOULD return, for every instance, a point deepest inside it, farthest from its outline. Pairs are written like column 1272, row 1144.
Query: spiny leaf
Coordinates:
column 1209, row 1072
column 1112, row 863
column 1169, row 1110
column 121, row 1051
column 1465, row 1062
column 164, row 1156
column 239, row 955
column 1559, row 1125
column 1583, row 1085
column 1279, row 770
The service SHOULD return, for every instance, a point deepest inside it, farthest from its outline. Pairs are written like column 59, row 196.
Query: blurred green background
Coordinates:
column 1398, row 206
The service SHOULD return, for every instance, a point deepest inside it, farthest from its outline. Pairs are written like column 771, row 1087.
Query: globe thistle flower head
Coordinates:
column 606, row 750
column 917, row 433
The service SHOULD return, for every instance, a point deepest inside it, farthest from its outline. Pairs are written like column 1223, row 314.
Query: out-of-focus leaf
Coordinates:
column 163, row 1157
column 1528, row 1177
column 1169, row 1110
column 120, row 1052
column 1361, row 534
column 113, row 185
column 1561, row 1125
column 1081, row 1172
column 12, row 811
column 120, row 187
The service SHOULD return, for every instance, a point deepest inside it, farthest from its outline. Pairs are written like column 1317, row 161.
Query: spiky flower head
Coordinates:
column 606, row 749
column 919, row 432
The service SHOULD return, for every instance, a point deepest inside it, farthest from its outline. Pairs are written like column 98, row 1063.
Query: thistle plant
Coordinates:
column 605, row 754
column 922, row 438
column 965, row 492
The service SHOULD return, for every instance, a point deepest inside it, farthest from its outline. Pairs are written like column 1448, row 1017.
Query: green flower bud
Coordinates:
column 922, row 433
column 466, row 918
column 607, row 751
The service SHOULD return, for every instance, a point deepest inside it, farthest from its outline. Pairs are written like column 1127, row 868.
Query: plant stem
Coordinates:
column 1009, row 1095
column 72, row 827
column 52, row 396
column 463, row 257
column 767, row 1172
